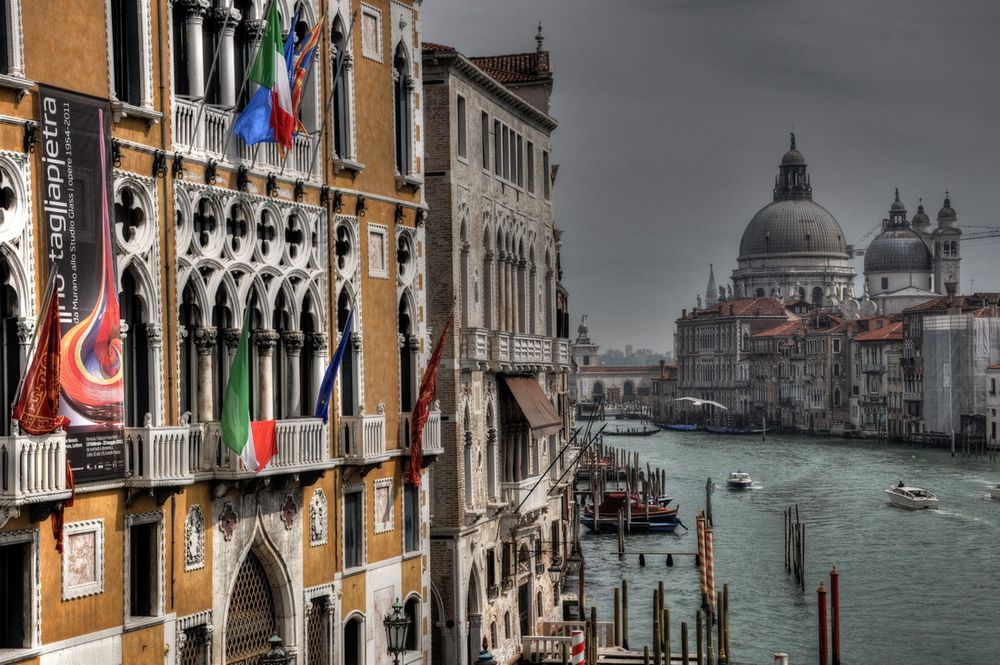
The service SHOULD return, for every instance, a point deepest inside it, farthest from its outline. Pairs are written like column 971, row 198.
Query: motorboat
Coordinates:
column 632, row 431
column 995, row 492
column 911, row 498
column 738, row 480
column 637, row 525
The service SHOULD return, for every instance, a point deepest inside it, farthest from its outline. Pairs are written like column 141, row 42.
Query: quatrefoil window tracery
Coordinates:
column 404, row 258
column 205, row 223
column 346, row 251
column 8, row 199
column 237, row 229
column 129, row 216
column 267, row 233
column 295, row 236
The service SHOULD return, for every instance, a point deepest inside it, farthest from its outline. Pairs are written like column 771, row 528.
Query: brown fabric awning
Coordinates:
column 537, row 409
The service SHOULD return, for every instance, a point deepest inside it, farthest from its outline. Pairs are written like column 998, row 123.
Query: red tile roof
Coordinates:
column 890, row 333
column 516, row 67
column 741, row 307
column 786, row 329
column 431, row 47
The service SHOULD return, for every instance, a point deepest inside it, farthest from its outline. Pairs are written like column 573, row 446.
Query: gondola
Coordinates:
column 645, row 431
column 677, row 427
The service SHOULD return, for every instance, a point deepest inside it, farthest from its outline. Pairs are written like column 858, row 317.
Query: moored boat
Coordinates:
column 911, row 498
column 738, row 480
column 995, row 492
column 678, row 427
column 640, row 526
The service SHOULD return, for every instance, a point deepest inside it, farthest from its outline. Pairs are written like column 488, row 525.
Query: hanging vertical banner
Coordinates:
column 75, row 146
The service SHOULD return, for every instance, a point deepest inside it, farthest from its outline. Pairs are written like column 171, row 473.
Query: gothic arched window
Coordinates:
column 402, row 82
column 341, row 55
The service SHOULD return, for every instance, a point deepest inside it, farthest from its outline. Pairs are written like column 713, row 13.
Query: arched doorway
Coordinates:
column 251, row 619
column 628, row 390
column 474, row 616
column 598, row 391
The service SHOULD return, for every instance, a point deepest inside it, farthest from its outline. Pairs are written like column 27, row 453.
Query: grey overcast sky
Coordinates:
column 674, row 115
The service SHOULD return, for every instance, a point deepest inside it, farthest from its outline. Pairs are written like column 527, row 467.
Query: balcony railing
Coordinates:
column 33, row 469
column 207, row 138
column 432, row 431
column 302, row 446
column 158, row 456
column 527, row 495
column 873, row 368
column 362, row 439
column 560, row 352
column 504, row 348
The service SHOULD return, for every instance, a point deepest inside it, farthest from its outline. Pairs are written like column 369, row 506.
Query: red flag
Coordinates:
column 428, row 388
column 59, row 514
column 36, row 408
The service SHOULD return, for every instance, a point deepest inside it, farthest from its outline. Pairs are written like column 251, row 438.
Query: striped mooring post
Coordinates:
column 577, row 647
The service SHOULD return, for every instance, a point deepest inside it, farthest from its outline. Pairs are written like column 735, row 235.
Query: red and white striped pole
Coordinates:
column 710, row 565
column 576, row 647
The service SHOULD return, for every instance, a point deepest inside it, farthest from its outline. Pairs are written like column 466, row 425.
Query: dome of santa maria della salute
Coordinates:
column 793, row 246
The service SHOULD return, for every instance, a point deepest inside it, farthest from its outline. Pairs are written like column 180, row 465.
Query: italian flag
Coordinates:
column 271, row 71
column 253, row 441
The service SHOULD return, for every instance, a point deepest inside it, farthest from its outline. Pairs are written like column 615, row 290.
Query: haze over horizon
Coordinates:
column 674, row 116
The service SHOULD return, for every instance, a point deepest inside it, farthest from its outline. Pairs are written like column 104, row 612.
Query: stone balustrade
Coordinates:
column 526, row 496
column 158, row 456
column 206, row 137
column 432, row 431
column 302, row 446
column 481, row 346
column 32, row 469
column 362, row 439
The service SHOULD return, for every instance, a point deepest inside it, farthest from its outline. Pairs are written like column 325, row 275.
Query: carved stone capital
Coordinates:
column 204, row 339
column 293, row 341
column 192, row 9
column 317, row 341
column 154, row 336
column 231, row 337
column 25, row 330
column 266, row 341
column 225, row 18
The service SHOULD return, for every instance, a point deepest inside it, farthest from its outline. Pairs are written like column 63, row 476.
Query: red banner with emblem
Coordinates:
column 428, row 389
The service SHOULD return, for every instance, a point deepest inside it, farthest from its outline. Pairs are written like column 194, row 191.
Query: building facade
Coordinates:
column 503, row 507
column 183, row 555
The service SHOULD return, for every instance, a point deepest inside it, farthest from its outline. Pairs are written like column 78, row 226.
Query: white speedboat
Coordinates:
column 995, row 492
column 911, row 498
column 739, row 481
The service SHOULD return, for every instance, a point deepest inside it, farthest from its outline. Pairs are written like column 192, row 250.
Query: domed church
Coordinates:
column 793, row 247
column 908, row 263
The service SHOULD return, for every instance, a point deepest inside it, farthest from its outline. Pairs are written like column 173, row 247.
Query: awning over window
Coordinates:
column 537, row 409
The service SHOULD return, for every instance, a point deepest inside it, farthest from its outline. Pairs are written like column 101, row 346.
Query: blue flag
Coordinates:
column 254, row 124
column 326, row 389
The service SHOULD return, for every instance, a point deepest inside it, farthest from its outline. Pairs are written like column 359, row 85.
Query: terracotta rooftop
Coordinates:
column 431, row 47
column 966, row 303
column 741, row 307
column 890, row 333
column 785, row 329
column 516, row 67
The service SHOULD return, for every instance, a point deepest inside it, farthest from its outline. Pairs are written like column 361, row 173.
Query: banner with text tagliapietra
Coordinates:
column 75, row 146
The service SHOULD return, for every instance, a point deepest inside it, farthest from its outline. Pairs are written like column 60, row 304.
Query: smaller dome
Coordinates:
column 920, row 219
column 897, row 205
column 793, row 158
column 947, row 214
column 897, row 250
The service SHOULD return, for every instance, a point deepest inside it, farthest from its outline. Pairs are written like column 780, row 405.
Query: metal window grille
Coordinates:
column 251, row 618
column 317, row 629
column 195, row 648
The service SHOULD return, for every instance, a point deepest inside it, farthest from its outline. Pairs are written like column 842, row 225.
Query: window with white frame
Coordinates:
column 463, row 139
column 11, row 39
column 18, row 592
column 128, row 28
column 383, row 505
column 403, row 110
column 144, row 565
column 354, row 527
column 371, row 33
column 411, row 518
column 497, row 148
column 378, row 251
column 340, row 49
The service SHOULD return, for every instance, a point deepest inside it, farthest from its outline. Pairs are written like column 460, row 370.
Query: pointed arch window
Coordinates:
column 340, row 54
column 136, row 352
column 10, row 349
column 402, row 87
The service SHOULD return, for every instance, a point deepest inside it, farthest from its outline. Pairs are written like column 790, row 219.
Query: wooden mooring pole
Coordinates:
column 835, row 615
column 824, row 643
column 699, row 622
column 625, row 614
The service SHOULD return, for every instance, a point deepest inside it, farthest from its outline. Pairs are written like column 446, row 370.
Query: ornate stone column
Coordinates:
column 154, row 350
column 510, row 292
column 25, row 334
column 498, row 320
column 266, row 341
column 317, row 347
column 225, row 69
column 194, row 22
column 204, row 342
column 293, row 341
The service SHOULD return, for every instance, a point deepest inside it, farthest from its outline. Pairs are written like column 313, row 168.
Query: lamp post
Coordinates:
column 396, row 626
column 277, row 654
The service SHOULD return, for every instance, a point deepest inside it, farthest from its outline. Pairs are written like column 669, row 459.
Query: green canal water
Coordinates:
column 917, row 588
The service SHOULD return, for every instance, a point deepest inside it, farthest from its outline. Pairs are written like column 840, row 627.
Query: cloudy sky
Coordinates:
column 674, row 115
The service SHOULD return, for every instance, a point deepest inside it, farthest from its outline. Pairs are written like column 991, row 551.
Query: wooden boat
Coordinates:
column 641, row 526
column 677, row 428
column 645, row 431
column 911, row 498
column 615, row 502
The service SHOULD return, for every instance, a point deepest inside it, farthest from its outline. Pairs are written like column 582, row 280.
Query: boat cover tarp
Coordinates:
column 537, row 409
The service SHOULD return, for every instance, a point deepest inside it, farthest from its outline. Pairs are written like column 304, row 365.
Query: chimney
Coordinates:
column 663, row 369
column 951, row 288
column 684, row 313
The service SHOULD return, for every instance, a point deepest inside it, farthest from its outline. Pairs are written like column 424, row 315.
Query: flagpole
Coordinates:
column 243, row 85
column 211, row 73
column 333, row 89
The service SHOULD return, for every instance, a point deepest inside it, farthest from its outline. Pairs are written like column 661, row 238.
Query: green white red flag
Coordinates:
column 254, row 441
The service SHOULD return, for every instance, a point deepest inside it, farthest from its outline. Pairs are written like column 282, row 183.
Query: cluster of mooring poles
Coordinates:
column 829, row 635
column 795, row 546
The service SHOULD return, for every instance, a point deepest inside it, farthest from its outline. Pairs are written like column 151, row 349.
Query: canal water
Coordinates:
column 916, row 587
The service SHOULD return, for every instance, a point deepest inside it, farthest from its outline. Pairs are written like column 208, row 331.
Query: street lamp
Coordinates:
column 276, row 655
column 573, row 562
column 396, row 625
column 485, row 657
